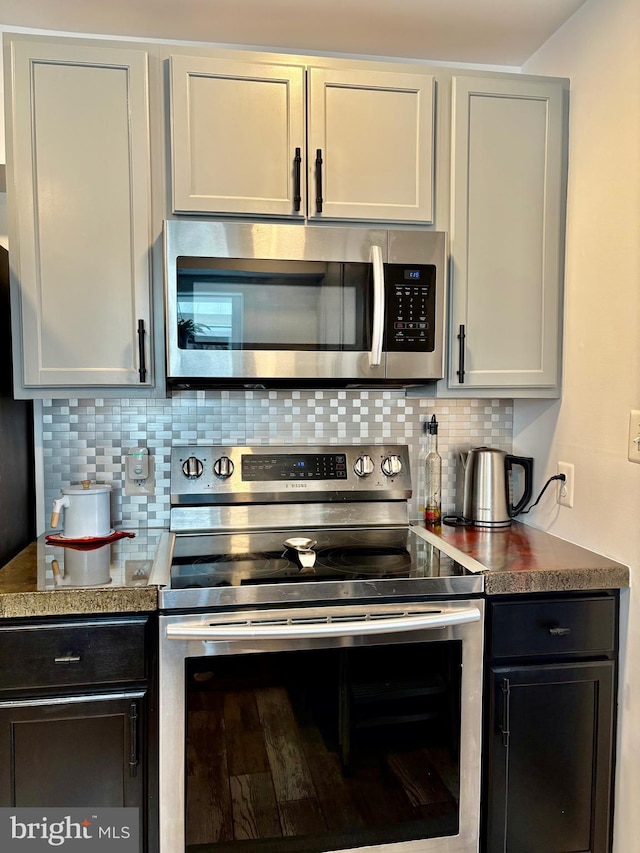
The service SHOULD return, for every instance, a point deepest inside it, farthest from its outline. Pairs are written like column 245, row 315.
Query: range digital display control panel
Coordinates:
column 279, row 467
column 410, row 307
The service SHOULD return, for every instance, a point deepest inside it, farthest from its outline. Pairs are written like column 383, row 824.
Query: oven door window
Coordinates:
column 267, row 305
column 328, row 749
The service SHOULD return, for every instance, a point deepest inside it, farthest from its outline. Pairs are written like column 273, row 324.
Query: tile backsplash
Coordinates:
column 89, row 438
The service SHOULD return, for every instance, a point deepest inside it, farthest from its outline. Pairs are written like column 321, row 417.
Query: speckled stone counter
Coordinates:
column 513, row 560
column 520, row 558
column 48, row 580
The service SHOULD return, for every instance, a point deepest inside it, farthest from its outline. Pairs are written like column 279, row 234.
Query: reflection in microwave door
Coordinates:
column 194, row 336
column 187, row 331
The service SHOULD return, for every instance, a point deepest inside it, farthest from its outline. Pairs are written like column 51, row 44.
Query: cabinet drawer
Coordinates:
column 71, row 653
column 553, row 627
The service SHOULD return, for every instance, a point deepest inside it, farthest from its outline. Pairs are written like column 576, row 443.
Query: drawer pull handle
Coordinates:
column 68, row 658
column 559, row 632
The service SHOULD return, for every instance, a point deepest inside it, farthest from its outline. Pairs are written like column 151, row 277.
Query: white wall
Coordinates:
column 599, row 49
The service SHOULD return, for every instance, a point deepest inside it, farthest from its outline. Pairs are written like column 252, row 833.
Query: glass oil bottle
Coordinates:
column 432, row 476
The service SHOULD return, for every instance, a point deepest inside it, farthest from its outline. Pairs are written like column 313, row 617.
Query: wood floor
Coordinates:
column 258, row 767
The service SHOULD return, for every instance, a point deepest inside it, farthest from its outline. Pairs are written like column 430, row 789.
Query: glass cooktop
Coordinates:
column 244, row 559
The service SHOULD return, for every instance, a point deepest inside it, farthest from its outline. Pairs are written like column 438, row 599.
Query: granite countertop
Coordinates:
column 520, row 558
column 51, row 580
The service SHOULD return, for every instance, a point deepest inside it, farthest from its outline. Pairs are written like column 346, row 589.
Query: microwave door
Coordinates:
column 252, row 319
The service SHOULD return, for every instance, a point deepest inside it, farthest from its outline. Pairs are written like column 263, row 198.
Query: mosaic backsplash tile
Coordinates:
column 89, row 439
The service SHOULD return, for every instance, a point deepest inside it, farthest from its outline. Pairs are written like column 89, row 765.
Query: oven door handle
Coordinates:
column 377, row 332
column 310, row 629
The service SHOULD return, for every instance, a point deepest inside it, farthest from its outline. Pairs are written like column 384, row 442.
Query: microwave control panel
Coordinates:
column 410, row 307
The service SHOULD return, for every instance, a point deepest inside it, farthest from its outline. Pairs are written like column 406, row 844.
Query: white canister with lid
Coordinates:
column 87, row 510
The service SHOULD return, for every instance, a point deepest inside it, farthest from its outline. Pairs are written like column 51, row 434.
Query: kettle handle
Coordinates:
column 526, row 463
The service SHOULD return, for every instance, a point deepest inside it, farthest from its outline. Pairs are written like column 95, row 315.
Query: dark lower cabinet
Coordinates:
column 73, row 714
column 550, row 720
column 73, row 752
column 550, row 754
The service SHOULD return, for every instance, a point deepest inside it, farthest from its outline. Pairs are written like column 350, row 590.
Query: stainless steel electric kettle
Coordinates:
column 487, row 499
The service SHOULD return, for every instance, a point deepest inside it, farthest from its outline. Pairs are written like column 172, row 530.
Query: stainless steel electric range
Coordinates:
column 333, row 651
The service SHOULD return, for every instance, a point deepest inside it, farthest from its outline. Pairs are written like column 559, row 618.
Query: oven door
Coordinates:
column 322, row 729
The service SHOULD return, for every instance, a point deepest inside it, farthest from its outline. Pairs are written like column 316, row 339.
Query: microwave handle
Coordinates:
column 375, row 356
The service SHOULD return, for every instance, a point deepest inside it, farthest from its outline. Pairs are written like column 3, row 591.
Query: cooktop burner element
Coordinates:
column 339, row 555
column 264, row 525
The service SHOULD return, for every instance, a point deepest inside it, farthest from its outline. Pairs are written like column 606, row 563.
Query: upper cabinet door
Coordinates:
column 508, row 192
column 80, row 205
column 370, row 146
column 237, row 132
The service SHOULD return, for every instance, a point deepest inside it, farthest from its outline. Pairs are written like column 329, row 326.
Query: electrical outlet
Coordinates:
column 139, row 471
column 565, row 490
column 633, row 448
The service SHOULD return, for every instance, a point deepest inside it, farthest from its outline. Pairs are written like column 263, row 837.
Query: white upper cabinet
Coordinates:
column 246, row 140
column 79, row 191
column 508, row 192
column 237, row 136
column 305, row 139
column 370, row 145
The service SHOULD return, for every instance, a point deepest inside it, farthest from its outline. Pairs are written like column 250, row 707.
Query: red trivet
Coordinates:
column 87, row 543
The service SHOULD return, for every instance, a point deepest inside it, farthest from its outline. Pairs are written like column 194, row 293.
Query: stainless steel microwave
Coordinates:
column 302, row 305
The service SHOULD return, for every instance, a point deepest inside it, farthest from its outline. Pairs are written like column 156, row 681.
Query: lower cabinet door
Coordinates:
column 549, row 758
column 73, row 752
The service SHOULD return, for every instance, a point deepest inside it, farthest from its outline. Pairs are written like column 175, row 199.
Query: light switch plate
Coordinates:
column 633, row 448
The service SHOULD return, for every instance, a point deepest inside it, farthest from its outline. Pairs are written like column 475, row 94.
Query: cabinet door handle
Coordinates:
column 68, row 658
column 461, row 348
column 297, row 199
column 559, row 632
column 319, row 198
column 505, row 727
column 142, row 362
column 133, row 739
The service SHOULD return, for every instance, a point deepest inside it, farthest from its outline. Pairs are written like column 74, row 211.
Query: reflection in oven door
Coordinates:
column 324, row 750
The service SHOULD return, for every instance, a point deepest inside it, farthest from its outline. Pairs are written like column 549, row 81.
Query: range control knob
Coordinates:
column 223, row 467
column 363, row 466
column 391, row 465
column 192, row 468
